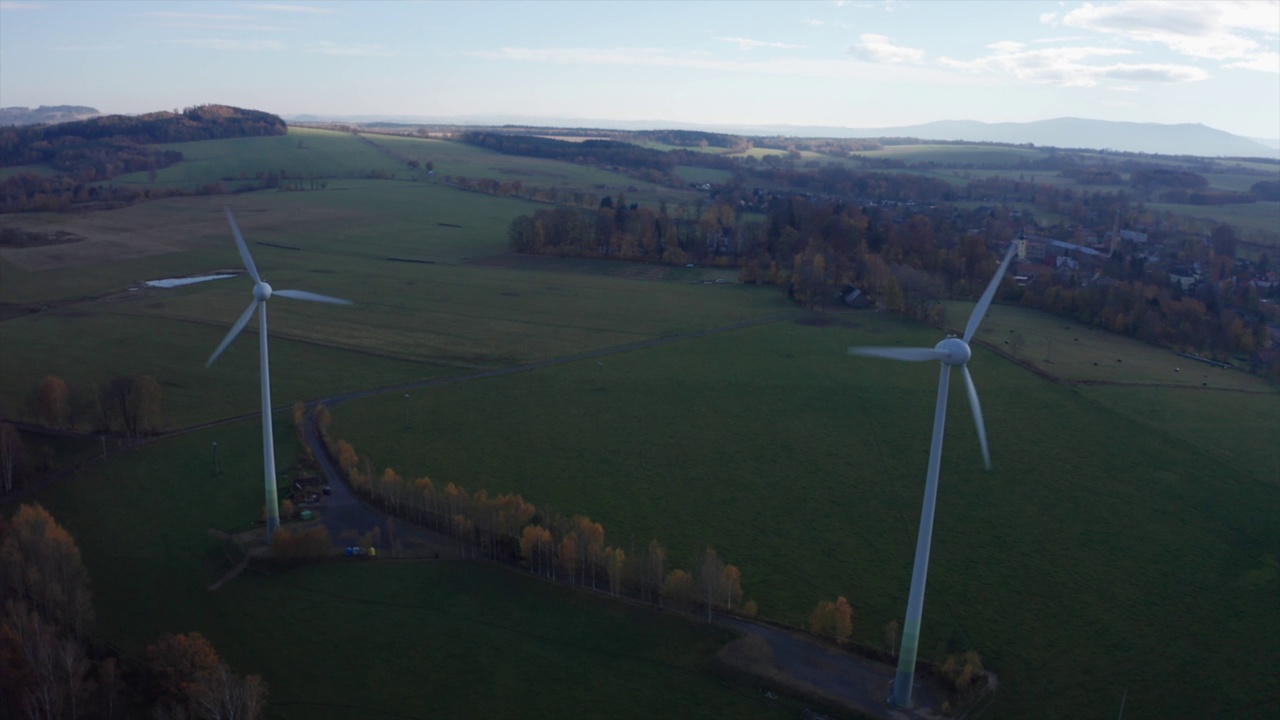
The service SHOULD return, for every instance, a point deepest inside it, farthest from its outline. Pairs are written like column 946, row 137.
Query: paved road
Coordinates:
column 861, row 684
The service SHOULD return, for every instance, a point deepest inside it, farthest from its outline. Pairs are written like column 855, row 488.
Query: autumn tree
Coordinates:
column 40, row 564
column 730, row 586
column 180, row 667
column 832, row 618
column 821, row 620
column 190, row 680
column 615, row 561
column 52, row 399
column 568, row 552
column 678, row 587
column 963, row 670
column 11, row 454
column 842, row 620
column 656, row 568
column 710, row 576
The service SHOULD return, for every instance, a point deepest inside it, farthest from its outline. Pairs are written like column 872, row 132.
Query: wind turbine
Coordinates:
column 950, row 352
column 262, row 292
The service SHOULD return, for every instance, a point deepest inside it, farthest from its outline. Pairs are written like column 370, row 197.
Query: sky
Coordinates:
column 867, row 64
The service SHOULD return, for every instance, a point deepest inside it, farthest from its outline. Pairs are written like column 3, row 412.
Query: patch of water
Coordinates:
column 178, row 282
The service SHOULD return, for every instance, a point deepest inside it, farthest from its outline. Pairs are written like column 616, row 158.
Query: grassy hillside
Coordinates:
column 1101, row 552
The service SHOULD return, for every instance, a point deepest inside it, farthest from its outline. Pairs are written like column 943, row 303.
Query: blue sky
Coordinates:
column 854, row 64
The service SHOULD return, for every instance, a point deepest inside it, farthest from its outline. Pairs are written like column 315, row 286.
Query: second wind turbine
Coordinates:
column 950, row 352
column 262, row 292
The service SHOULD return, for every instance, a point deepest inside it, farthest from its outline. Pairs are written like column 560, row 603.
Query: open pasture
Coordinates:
column 411, row 320
column 303, row 151
column 1252, row 216
column 703, row 175
column 1239, row 182
column 1101, row 552
column 455, row 158
column 1229, row 414
column 955, row 154
column 353, row 640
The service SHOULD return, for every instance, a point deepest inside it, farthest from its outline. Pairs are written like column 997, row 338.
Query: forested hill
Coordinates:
column 86, row 153
column 45, row 114
column 49, row 143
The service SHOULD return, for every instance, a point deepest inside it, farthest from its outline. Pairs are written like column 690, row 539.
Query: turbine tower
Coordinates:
column 262, row 292
column 952, row 351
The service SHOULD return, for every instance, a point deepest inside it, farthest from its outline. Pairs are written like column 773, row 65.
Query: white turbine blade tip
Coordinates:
column 243, row 248
column 977, row 417
column 235, row 330
column 980, row 309
column 311, row 297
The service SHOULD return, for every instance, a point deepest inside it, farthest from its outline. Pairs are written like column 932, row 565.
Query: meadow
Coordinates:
column 1101, row 552
column 450, row 313
column 955, row 154
column 1105, row 549
column 355, row 640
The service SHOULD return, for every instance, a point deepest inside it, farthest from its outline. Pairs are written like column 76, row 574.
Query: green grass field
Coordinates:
column 1104, row 551
column 957, row 154
column 411, row 320
column 354, row 639
column 703, row 175
column 1256, row 216
column 1228, row 414
column 804, row 466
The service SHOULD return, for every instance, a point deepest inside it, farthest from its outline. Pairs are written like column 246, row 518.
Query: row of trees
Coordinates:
column 572, row 550
column 53, row 668
column 128, row 404
column 910, row 257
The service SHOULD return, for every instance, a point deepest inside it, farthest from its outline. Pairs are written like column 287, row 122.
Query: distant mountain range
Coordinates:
column 45, row 114
column 1157, row 138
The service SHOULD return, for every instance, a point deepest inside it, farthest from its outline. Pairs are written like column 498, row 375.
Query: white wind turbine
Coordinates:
column 261, row 293
column 950, row 352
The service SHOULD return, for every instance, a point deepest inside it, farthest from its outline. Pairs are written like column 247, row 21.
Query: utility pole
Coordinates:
column 217, row 469
column 406, row 411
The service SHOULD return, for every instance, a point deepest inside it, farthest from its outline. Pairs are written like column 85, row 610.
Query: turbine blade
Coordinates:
column 977, row 415
column 235, row 330
column 899, row 353
column 244, row 249
column 980, row 309
column 313, row 297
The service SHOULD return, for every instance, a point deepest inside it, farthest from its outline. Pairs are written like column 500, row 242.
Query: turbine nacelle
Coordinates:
column 955, row 351
column 262, row 292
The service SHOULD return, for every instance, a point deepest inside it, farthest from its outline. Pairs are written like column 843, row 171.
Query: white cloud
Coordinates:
column 1049, row 18
column 828, row 68
column 1262, row 62
column 230, row 44
column 812, row 21
column 222, row 26
column 191, row 16
column 878, row 49
column 289, row 8
column 1215, row 30
column 1074, row 67
column 749, row 44
column 1006, row 46
column 330, row 48
column 9, row 5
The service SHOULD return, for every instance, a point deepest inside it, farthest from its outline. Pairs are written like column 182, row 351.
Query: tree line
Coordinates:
column 52, row 666
column 129, row 405
column 569, row 549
